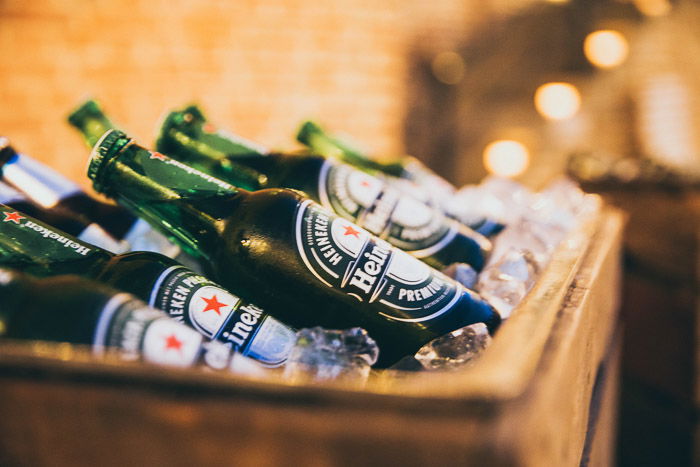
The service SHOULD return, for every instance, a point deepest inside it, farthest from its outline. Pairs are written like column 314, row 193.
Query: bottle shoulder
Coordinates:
column 136, row 272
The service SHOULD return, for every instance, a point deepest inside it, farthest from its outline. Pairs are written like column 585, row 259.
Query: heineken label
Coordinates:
column 217, row 314
column 232, row 144
column 371, row 203
column 181, row 177
column 40, row 237
column 139, row 333
column 345, row 256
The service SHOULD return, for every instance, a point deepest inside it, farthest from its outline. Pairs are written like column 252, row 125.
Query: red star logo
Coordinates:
column 365, row 183
column 350, row 231
column 13, row 216
column 172, row 342
column 159, row 156
column 209, row 128
column 213, row 304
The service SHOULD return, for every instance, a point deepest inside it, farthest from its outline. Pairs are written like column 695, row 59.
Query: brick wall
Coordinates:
column 258, row 67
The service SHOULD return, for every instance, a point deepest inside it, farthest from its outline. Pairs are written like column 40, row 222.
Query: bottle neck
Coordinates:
column 188, row 137
column 29, row 244
column 320, row 142
column 91, row 121
column 52, row 191
column 184, row 203
column 36, row 181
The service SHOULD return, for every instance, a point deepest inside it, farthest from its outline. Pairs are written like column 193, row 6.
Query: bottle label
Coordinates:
column 218, row 314
column 236, row 144
column 345, row 256
column 181, row 177
column 64, row 248
column 140, row 333
column 368, row 201
column 37, row 181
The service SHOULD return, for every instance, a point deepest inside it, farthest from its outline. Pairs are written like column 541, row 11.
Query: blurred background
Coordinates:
column 605, row 90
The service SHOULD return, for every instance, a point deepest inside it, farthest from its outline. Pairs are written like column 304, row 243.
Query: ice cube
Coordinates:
column 323, row 354
column 506, row 282
column 454, row 349
column 462, row 273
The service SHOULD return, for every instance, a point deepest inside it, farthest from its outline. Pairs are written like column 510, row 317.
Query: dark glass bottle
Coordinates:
column 51, row 190
column 279, row 249
column 30, row 245
column 90, row 233
column 91, row 121
column 406, row 173
column 79, row 311
column 368, row 201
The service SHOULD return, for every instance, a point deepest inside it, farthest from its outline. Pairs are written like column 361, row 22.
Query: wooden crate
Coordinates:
column 544, row 393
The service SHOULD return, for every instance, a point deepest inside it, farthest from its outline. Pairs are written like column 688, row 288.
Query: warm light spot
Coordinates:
column 605, row 48
column 557, row 1
column 557, row 101
column 448, row 67
column 507, row 158
column 653, row 7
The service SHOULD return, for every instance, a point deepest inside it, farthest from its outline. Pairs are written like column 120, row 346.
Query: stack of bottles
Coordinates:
column 220, row 253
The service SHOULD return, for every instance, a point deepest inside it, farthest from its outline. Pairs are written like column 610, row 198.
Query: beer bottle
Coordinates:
column 79, row 311
column 362, row 198
column 91, row 121
column 30, row 245
column 51, row 190
column 90, row 233
column 281, row 250
column 407, row 174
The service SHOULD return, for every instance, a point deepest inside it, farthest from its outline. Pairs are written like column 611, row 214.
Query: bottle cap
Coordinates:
column 106, row 148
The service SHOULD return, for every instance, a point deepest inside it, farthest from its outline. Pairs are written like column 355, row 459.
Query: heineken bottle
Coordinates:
column 78, row 227
column 79, row 311
column 368, row 201
column 51, row 190
column 406, row 174
column 283, row 251
column 91, row 121
column 32, row 246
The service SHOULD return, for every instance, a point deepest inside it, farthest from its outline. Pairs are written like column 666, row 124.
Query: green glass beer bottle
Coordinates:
column 368, row 201
column 91, row 121
column 29, row 245
column 53, row 191
column 281, row 250
column 406, row 174
column 78, row 227
column 79, row 311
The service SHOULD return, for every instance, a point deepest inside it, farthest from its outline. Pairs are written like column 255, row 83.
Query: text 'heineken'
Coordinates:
column 280, row 250
column 52, row 191
column 37, row 248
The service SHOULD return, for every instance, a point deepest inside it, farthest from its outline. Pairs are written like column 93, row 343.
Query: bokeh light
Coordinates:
column 507, row 158
column 557, row 101
column 605, row 48
column 653, row 7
